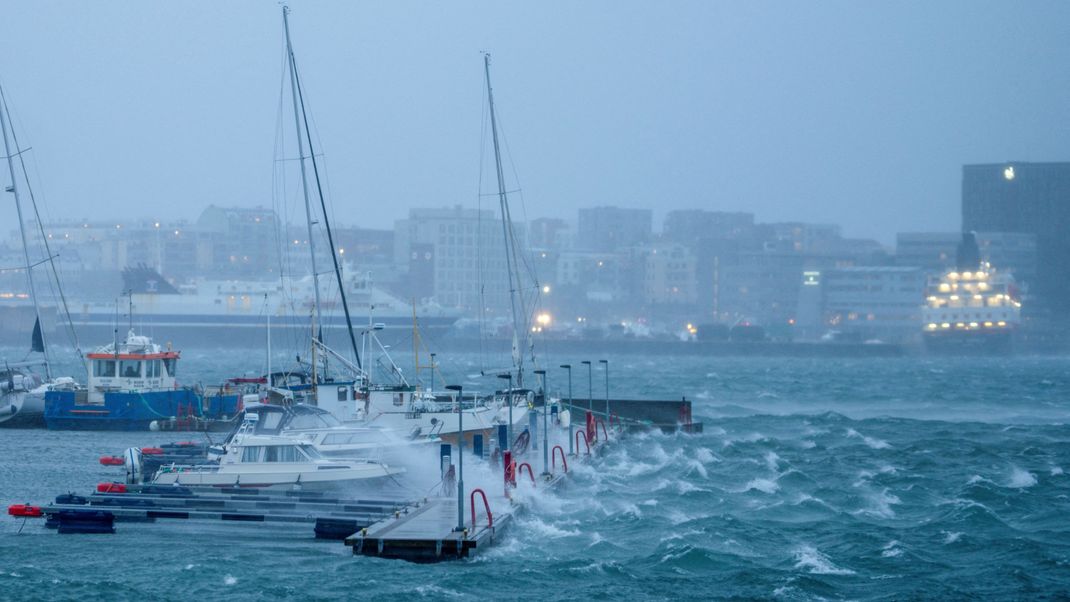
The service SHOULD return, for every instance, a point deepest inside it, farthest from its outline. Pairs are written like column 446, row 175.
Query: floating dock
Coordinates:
column 430, row 529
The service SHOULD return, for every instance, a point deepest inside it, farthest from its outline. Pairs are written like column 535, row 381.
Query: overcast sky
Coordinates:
column 848, row 112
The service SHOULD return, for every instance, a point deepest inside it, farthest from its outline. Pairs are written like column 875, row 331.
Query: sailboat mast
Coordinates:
column 304, row 177
column 296, row 85
column 22, row 230
column 510, row 259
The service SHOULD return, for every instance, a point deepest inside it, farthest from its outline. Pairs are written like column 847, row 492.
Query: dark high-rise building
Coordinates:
column 1029, row 198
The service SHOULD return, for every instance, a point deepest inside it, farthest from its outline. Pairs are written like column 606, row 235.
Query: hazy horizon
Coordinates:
column 834, row 113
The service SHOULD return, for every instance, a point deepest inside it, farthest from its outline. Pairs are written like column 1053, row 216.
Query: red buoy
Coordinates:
column 111, row 488
column 24, row 510
column 151, row 451
column 111, row 461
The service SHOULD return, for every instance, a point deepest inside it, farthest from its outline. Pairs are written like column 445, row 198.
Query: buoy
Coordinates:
column 24, row 511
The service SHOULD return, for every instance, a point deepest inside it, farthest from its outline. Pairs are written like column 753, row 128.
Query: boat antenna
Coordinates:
column 299, row 99
column 508, row 234
column 14, row 189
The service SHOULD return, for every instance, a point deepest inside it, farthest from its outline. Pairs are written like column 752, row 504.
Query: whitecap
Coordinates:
column 230, row 580
column 1021, row 479
column 810, row 558
column 1056, row 471
column 891, row 550
column 872, row 442
column 705, row 456
column 548, row 530
column 951, row 537
column 772, row 460
column 697, row 466
column 763, row 485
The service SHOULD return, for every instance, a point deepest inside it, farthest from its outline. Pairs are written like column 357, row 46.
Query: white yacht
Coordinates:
column 322, row 430
column 270, row 461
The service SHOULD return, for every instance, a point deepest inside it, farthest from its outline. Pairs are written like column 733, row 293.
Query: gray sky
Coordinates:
column 846, row 112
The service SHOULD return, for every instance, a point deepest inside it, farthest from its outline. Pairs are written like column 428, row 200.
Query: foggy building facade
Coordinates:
column 1027, row 198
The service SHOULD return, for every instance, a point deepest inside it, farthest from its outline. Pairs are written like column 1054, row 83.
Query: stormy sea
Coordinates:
column 880, row 478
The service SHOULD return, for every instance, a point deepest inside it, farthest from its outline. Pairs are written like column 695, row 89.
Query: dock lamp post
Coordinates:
column 545, row 428
column 605, row 364
column 590, row 386
column 569, row 368
column 509, row 400
column 433, row 373
column 460, row 456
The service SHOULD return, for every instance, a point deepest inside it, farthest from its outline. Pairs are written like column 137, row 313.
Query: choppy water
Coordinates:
column 833, row 479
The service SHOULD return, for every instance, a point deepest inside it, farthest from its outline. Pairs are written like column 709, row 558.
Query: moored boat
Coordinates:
column 131, row 385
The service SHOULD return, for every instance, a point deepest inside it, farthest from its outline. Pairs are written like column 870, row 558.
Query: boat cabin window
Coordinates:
column 282, row 453
column 104, row 368
column 307, row 421
column 343, row 393
column 170, row 364
column 311, row 452
column 251, row 453
column 130, row 369
column 269, row 422
column 152, row 369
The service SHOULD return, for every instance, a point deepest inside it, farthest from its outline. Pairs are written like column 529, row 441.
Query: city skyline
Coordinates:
column 131, row 111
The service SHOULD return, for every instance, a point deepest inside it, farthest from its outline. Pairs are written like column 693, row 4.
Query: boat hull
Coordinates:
column 22, row 410
column 134, row 410
column 970, row 343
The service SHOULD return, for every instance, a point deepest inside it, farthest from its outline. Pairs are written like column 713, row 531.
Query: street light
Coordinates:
column 590, row 386
column 605, row 364
column 545, row 428
column 509, row 400
column 433, row 373
column 569, row 368
column 460, row 456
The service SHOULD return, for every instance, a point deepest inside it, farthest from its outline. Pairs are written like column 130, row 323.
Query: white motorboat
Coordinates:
column 321, row 429
column 271, row 461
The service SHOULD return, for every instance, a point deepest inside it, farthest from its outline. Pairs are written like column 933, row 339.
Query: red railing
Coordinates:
column 486, row 505
column 553, row 456
column 531, row 473
column 585, row 442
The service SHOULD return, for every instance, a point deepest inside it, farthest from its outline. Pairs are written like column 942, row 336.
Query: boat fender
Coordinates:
column 111, row 461
column 152, row 451
column 24, row 511
column 111, row 488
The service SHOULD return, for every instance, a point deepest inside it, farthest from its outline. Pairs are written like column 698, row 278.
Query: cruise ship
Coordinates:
column 971, row 308
column 239, row 311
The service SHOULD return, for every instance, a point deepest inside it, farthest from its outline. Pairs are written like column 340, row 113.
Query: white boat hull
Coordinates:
column 275, row 477
column 22, row 409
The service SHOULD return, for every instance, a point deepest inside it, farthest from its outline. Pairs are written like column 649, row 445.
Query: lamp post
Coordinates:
column 590, row 386
column 509, row 400
column 545, row 428
column 569, row 368
column 605, row 364
column 460, row 456
column 433, row 373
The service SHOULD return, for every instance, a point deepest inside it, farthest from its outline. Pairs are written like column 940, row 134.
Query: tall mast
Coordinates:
column 299, row 102
column 510, row 243
column 301, row 161
column 22, row 230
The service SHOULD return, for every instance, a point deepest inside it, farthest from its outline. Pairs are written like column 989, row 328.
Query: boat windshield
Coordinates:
column 312, row 452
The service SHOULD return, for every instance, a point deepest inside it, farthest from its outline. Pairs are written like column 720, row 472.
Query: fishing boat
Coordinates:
column 132, row 385
column 272, row 461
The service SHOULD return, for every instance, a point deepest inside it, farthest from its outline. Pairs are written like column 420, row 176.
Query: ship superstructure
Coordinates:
column 973, row 306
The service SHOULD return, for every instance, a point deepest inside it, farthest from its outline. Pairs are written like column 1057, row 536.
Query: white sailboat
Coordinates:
column 22, row 390
column 352, row 397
